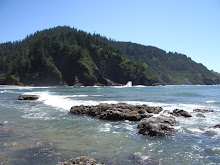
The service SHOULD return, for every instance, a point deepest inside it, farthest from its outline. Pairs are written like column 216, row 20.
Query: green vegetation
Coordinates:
column 169, row 68
column 65, row 55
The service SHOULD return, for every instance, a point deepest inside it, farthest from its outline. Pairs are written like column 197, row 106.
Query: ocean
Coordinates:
column 44, row 132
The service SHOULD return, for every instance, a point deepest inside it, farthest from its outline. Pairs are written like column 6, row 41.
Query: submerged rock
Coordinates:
column 28, row 97
column 156, row 126
column 3, row 123
column 141, row 159
column 200, row 115
column 203, row 110
column 119, row 111
column 180, row 112
column 82, row 160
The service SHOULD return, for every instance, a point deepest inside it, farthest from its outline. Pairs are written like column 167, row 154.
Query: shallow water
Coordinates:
column 44, row 132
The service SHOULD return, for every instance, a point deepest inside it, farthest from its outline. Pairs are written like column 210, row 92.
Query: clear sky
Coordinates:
column 190, row 27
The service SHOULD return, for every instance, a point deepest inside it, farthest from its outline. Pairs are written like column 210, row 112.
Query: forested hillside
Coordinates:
column 65, row 55
column 170, row 68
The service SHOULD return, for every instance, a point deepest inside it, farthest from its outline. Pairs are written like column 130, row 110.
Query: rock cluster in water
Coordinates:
column 83, row 160
column 119, row 111
column 157, row 126
column 149, row 125
column 28, row 97
column 203, row 110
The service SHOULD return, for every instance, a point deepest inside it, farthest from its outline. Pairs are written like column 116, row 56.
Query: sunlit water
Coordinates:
column 44, row 132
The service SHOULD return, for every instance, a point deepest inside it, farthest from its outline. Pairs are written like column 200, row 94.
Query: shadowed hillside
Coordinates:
column 170, row 68
column 65, row 55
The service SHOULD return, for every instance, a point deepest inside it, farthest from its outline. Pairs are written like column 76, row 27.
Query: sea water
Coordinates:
column 44, row 132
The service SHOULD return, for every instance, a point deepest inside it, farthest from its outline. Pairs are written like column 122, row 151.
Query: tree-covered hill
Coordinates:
column 170, row 68
column 65, row 55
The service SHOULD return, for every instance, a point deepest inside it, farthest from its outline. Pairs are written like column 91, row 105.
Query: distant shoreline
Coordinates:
column 10, row 86
column 19, row 86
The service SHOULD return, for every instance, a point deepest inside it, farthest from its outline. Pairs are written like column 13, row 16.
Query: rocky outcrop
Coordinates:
column 157, row 126
column 216, row 126
column 112, row 83
column 200, row 115
column 180, row 112
column 77, row 83
column 203, row 110
column 28, row 97
column 119, row 111
column 83, row 160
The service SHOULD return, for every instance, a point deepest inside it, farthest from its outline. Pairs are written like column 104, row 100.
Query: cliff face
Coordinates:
column 64, row 55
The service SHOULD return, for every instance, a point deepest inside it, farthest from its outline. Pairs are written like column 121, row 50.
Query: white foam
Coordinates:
column 69, row 96
column 213, row 131
column 177, row 127
column 105, row 128
column 63, row 103
column 212, row 102
column 119, row 86
column 7, row 91
column 187, row 107
column 129, row 84
column 66, row 102
column 195, row 130
column 129, row 127
column 110, row 102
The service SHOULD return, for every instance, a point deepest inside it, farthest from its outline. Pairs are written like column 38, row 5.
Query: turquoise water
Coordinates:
column 44, row 132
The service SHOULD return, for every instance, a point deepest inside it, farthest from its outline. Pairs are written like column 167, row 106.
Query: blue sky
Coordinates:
column 190, row 27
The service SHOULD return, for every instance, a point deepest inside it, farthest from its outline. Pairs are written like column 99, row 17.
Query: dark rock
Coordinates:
column 157, row 126
column 216, row 126
column 111, row 83
column 200, row 115
column 19, row 84
column 141, row 159
column 119, row 111
column 180, row 112
column 203, row 110
column 112, row 115
column 77, row 83
column 155, row 110
column 28, row 97
column 3, row 123
column 137, row 117
column 82, row 160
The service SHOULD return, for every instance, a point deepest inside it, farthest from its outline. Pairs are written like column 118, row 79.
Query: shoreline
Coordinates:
column 16, row 86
